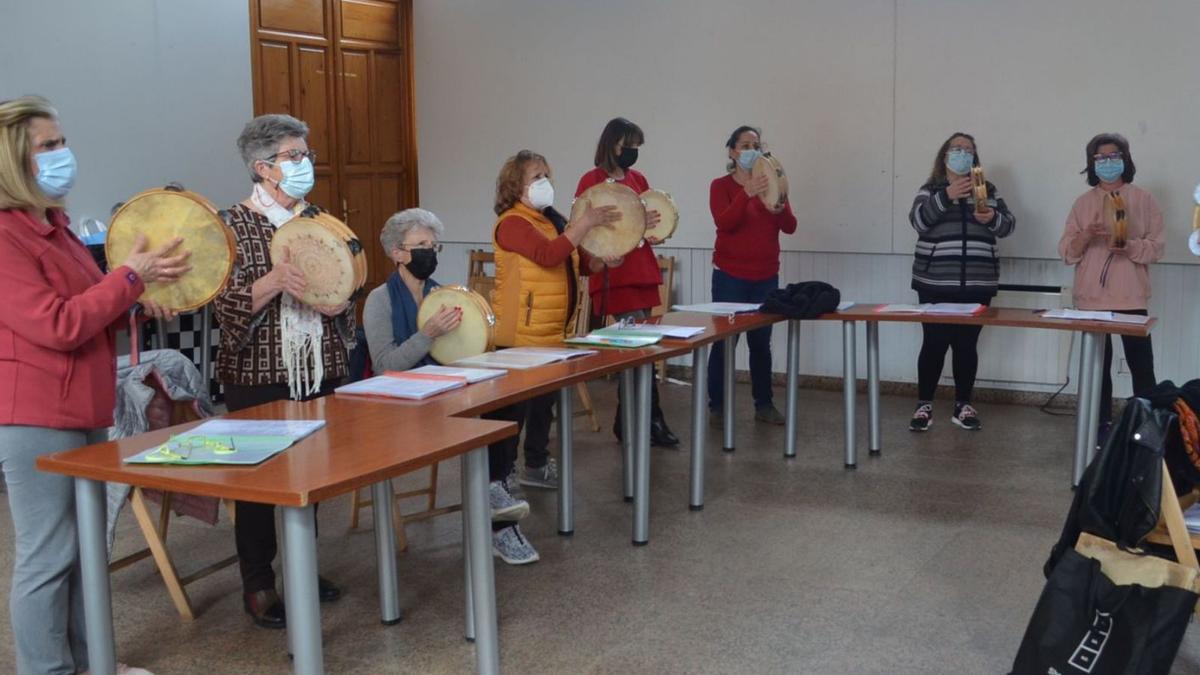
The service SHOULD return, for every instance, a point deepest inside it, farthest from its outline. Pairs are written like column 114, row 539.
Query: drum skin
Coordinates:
column 161, row 215
column 474, row 335
column 777, row 184
column 661, row 201
column 619, row 237
column 327, row 253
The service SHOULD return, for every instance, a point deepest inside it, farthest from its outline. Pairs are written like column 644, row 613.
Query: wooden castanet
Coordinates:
column 979, row 191
column 1116, row 220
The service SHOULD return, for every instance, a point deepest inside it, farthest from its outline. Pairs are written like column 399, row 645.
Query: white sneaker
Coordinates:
column 545, row 477
column 512, row 547
column 123, row 669
column 504, row 505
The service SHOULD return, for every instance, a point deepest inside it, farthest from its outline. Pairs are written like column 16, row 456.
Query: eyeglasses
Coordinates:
column 436, row 248
column 295, row 155
column 1111, row 155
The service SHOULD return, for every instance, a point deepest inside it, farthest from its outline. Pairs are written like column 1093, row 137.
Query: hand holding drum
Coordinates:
column 443, row 321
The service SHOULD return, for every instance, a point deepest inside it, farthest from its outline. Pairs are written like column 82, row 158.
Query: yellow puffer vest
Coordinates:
column 531, row 302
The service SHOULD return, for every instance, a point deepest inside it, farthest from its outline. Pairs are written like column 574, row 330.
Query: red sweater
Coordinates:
column 57, row 331
column 634, row 285
column 747, row 233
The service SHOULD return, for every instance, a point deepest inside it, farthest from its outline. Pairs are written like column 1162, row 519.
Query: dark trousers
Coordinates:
column 939, row 337
column 535, row 418
column 254, row 524
column 727, row 288
column 656, row 411
column 1139, row 354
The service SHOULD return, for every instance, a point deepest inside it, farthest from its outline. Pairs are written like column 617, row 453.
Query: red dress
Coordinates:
column 634, row 285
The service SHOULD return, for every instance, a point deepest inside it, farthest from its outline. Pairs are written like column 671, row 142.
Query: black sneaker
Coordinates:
column 922, row 417
column 966, row 417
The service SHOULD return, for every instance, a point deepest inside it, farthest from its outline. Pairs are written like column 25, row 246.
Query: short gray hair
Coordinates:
column 398, row 226
column 262, row 136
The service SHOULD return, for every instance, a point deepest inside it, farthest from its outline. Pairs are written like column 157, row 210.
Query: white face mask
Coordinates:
column 540, row 193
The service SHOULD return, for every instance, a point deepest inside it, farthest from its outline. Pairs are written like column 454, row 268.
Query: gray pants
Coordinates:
column 46, row 604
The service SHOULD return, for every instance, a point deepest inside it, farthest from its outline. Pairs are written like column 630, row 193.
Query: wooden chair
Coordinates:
column 666, row 267
column 1172, row 530
column 362, row 499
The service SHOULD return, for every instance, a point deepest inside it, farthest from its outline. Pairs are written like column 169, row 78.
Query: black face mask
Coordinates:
column 627, row 158
column 423, row 263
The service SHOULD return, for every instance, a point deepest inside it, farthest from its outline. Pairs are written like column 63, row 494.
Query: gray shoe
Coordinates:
column 513, row 483
column 512, row 547
column 769, row 415
column 544, row 477
column 504, row 505
column 716, row 418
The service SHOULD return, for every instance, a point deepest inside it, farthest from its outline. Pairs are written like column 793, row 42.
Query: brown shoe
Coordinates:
column 265, row 609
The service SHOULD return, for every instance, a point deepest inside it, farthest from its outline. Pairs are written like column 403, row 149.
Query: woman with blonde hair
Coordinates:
column 57, row 373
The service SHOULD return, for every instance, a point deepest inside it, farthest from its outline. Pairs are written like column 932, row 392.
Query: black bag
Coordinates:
column 803, row 300
column 1085, row 624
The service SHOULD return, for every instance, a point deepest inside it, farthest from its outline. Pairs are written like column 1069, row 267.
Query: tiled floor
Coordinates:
column 925, row 560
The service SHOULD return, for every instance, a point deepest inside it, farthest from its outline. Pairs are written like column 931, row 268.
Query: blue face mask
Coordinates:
column 298, row 178
column 960, row 161
column 746, row 158
column 56, row 172
column 1110, row 169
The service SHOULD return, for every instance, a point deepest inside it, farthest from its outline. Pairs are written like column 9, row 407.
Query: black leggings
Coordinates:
column 1139, row 355
column 938, row 338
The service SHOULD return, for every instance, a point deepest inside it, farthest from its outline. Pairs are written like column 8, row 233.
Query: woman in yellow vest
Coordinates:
column 537, row 268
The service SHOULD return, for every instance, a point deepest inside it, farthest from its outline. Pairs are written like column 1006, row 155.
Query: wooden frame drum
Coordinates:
column 476, row 333
column 618, row 237
column 327, row 253
column 777, row 183
column 661, row 201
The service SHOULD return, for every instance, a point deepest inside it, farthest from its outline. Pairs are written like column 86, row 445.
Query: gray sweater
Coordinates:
column 385, row 353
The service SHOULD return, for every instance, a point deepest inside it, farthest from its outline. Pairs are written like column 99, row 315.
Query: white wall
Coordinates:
column 150, row 91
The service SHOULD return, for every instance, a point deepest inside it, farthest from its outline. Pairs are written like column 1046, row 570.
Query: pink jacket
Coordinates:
column 1126, row 282
column 57, row 325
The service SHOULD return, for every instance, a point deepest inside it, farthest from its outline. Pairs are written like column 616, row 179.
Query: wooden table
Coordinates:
column 357, row 447
column 1091, row 363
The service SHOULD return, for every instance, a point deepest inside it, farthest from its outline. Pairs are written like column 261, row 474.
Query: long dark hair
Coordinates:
column 617, row 130
column 1093, row 146
column 938, row 173
column 733, row 139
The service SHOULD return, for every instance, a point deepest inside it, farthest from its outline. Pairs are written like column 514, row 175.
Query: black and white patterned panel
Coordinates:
column 185, row 335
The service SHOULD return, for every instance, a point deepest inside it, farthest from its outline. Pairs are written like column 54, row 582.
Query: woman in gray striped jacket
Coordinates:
column 955, row 261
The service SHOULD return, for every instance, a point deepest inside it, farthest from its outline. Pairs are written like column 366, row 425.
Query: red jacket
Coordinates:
column 57, row 328
column 633, row 285
column 747, row 233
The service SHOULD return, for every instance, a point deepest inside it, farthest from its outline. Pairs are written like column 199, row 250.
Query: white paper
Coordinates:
column 560, row 353
column 953, row 308
column 901, row 309
column 683, row 332
column 294, row 429
column 471, row 375
column 845, row 305
column 719, row 307
column 1090, row 315
column 400, row 387
column 504, row 359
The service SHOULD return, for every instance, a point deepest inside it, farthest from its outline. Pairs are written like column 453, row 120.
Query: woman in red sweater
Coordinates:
column 630, row 290
column 745, row 263
column 58, row 374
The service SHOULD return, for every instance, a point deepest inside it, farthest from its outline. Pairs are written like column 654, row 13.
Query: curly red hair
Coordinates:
column 510, row 184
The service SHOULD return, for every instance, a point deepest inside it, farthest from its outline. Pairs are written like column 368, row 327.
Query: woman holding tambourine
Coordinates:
column 746, row 260
column 1113, row 234
column 630, row 290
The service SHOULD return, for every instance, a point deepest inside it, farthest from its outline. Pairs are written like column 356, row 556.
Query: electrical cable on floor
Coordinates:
column 1061, row 412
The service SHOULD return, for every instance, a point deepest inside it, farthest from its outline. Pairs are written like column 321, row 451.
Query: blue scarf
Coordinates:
column 404, row 311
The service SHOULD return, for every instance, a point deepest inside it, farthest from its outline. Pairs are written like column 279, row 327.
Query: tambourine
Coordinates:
column 661, row 201
column 326, row 252
column 777, row 183
column 475, row 334
column 979, row 189
column 621, row 236
column 162, row 214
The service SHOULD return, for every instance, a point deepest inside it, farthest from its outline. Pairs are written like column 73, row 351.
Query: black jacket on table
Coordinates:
column 956, row 259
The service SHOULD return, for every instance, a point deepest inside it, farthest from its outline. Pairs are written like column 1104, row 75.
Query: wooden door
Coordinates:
column 345, row 68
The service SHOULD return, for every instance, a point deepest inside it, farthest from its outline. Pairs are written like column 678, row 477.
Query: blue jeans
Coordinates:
column 727, row 288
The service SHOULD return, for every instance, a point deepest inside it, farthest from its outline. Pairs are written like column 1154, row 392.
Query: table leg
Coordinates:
column 566, row 464
column 641, row 457
column 699, row 422
column 849, row 372
column 383, row 496
column 873, row 445
column 468, row 601
column 483, row 575
column 730, row 398
column 793, row 376
column 206, row 347
column 1097, row 383
column 627, row 413
column 300, row 587
column 93, row 559
column 1087, row 349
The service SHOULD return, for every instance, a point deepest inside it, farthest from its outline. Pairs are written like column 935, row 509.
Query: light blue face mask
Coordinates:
column 746, row 158
column 960, row 161
column 56, row 172
column 298, row 178
column 1110, row 169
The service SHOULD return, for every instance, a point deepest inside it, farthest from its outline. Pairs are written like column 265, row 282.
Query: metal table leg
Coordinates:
column 300, row 585
column 206, row 347
column 93, row 558
column 1087, row 349
column 641, row 457
column 383, row 497
column 849, row 372
column 873, row 444
column 730, row 398
column 627, row 412
column 793, row 376
column 699, row 422
column 483, row 575
column 1097, row 384
column 566, row 464
column 468, row 601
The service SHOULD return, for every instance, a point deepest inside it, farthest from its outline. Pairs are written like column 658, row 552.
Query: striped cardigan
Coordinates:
column 956, row 259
